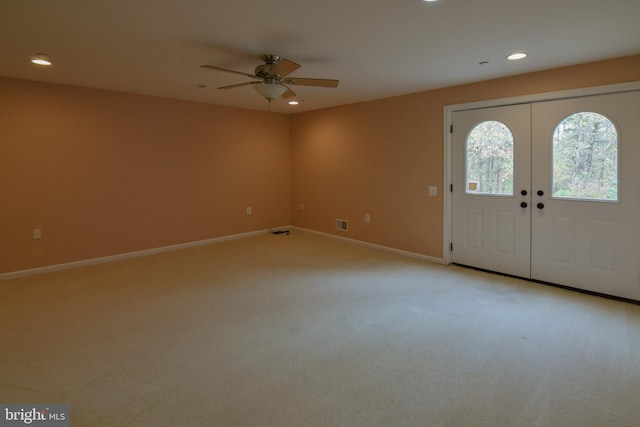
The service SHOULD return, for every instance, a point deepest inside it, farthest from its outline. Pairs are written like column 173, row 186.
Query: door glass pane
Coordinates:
column 585, row 158
column 490, row 159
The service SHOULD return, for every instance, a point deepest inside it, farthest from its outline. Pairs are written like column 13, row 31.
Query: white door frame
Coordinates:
column 447, row 140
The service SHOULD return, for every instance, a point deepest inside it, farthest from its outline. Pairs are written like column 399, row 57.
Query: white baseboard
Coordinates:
column 128, row 255
column 375, row 246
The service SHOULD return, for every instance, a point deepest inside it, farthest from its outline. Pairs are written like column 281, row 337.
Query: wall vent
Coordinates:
column 342, row 224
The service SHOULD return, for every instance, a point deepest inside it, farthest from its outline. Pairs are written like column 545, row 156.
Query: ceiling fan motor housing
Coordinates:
column 263, row 70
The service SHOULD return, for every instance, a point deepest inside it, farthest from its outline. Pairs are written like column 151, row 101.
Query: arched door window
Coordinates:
column 490, row 159
column 585, row 158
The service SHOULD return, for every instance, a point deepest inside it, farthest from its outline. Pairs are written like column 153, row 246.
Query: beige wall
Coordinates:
column 380, row 157
column 104, row 173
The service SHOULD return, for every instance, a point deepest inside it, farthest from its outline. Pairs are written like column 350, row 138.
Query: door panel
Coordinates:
column 491, row 229
column 583, row 243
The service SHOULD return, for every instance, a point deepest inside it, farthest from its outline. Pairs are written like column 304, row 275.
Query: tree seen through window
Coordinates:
column 585, row 158
column 490, row 159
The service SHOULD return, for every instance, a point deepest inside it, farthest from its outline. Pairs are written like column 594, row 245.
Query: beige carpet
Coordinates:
column 303, row 330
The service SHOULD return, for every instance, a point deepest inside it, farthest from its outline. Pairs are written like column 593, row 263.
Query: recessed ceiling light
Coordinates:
column 41, row 59
column 293, row 102
column 516, row 56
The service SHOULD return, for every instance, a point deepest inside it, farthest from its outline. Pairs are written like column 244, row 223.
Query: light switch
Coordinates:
column 433, row 190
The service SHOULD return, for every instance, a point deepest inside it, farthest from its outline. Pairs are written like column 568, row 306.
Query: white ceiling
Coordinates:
column 376, row 48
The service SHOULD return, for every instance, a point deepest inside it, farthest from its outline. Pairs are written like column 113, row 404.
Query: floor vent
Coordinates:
column 342, row 224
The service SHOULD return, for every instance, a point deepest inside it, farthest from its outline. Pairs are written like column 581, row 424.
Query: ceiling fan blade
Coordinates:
column 283, row 68
column 311, row 82
column 212, row 67
column 289, row 93
column 240, row 85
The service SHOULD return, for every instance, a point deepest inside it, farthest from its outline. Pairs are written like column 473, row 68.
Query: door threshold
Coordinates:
column 555, row 285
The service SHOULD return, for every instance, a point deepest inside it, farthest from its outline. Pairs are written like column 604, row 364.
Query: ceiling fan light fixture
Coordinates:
column 270, row 90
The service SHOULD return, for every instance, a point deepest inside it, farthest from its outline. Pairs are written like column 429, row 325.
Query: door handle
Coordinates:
column 523, row 204
column 540, row 205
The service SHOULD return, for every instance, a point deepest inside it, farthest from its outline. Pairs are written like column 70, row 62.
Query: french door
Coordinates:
column 551, row 191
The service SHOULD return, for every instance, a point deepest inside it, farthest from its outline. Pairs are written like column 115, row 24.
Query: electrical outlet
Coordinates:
column 37, row 234
column 433, row 190
column 249, row 211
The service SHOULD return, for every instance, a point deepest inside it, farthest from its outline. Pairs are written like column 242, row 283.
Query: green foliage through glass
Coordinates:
column 585, row 158
column 490, row 159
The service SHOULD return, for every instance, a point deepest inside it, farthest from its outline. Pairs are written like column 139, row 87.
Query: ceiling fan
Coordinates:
column 271, row 78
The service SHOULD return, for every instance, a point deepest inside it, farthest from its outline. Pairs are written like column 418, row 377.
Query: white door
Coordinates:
column 582, row 220
column 586, row 157
column 492, row 167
